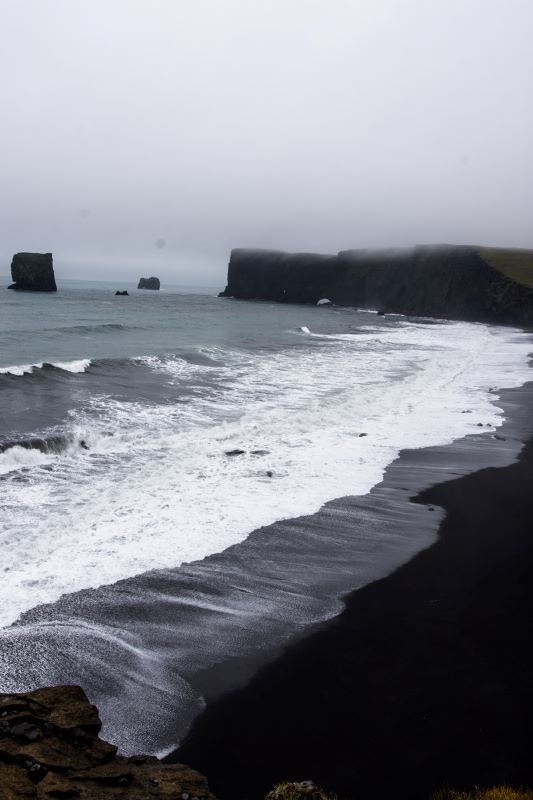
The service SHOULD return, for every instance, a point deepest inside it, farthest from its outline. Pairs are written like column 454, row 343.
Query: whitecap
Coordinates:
column 20, row 369
column 79, row 365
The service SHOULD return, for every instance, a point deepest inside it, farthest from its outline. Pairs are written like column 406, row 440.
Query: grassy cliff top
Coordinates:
column 306, row 790
column 515, row 264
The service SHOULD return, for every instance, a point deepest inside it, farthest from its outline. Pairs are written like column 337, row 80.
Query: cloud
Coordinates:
column 210, row 124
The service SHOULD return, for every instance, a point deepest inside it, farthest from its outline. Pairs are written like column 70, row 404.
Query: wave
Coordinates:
column 192, row 360
column 102, row 328
column 79, row 441
column 72, row 366
column 75, row 366
column 76, row 330
column 19, row 457
column 265, row 436
column 335, row 337
column 20, row 369
column 172, row 363
column 40, row 451
column 49, row 444
column 366, row 334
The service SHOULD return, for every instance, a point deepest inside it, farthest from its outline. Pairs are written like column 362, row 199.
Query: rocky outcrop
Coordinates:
column 33, row 272
column 123, row 293
column 49, row 748
column 149, row 283
column 446, row 281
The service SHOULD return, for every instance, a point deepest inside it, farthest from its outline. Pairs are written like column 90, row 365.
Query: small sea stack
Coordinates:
column 149, row 283
column 124, row 293
column 33, row 272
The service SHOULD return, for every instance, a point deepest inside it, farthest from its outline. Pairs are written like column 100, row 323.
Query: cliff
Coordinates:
column 451, row 282
column 33, row 272
column 49, row 748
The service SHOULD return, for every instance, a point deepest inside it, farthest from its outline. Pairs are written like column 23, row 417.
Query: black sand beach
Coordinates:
column 425, row 679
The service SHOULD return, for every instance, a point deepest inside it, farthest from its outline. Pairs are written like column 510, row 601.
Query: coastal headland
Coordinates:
column 456, row 282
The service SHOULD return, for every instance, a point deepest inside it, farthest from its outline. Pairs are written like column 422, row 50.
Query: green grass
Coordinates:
column 306, row 790
column 516, row 264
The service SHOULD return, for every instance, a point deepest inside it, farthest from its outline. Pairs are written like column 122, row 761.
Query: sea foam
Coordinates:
column 153, row 486
column 79, row 365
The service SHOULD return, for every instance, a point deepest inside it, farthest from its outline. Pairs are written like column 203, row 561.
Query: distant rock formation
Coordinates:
column 33, row 272
column 149, row 283
column 451, row 282
column 49, row 748
column 124, row 293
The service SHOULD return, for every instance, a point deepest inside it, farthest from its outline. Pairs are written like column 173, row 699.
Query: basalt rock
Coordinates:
column 122, row 294
column 149, row 283
column 33, row 272
column 445, row 281
column 49, row 748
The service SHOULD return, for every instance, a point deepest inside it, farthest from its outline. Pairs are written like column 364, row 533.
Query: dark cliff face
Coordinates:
column 33, row 272
column 274, row 275
column 149, row 283
column 451, row 282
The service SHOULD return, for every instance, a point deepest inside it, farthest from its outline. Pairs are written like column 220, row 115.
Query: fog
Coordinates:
column 152, row 136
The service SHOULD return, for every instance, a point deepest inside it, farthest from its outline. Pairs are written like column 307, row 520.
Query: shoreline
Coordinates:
column 365, row 719
column 180, row 638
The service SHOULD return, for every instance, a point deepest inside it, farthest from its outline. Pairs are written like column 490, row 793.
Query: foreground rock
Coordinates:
column 301, row 790
column 49, row 748
column 468, row 283
column 33, row 272
column 149, row 283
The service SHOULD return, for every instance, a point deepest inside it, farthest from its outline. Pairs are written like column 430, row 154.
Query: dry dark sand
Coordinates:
column 423, row 680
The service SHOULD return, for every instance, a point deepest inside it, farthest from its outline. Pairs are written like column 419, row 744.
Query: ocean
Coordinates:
column 158, row 453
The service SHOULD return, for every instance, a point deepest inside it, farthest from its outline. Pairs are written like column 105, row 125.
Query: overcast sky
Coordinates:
column 152, row 136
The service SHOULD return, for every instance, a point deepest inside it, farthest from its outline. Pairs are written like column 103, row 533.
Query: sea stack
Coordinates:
column 149, row 283
column 33, row 272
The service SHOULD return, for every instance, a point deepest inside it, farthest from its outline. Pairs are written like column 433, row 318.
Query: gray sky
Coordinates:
column 296, row 124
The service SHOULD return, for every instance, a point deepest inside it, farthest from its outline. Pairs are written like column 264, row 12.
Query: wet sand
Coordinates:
column 424, row 679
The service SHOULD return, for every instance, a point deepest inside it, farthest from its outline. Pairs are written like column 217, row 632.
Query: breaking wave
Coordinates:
column 18, row 370
column 248, row 438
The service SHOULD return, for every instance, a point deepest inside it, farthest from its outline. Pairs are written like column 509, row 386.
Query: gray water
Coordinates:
column 141, row 436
